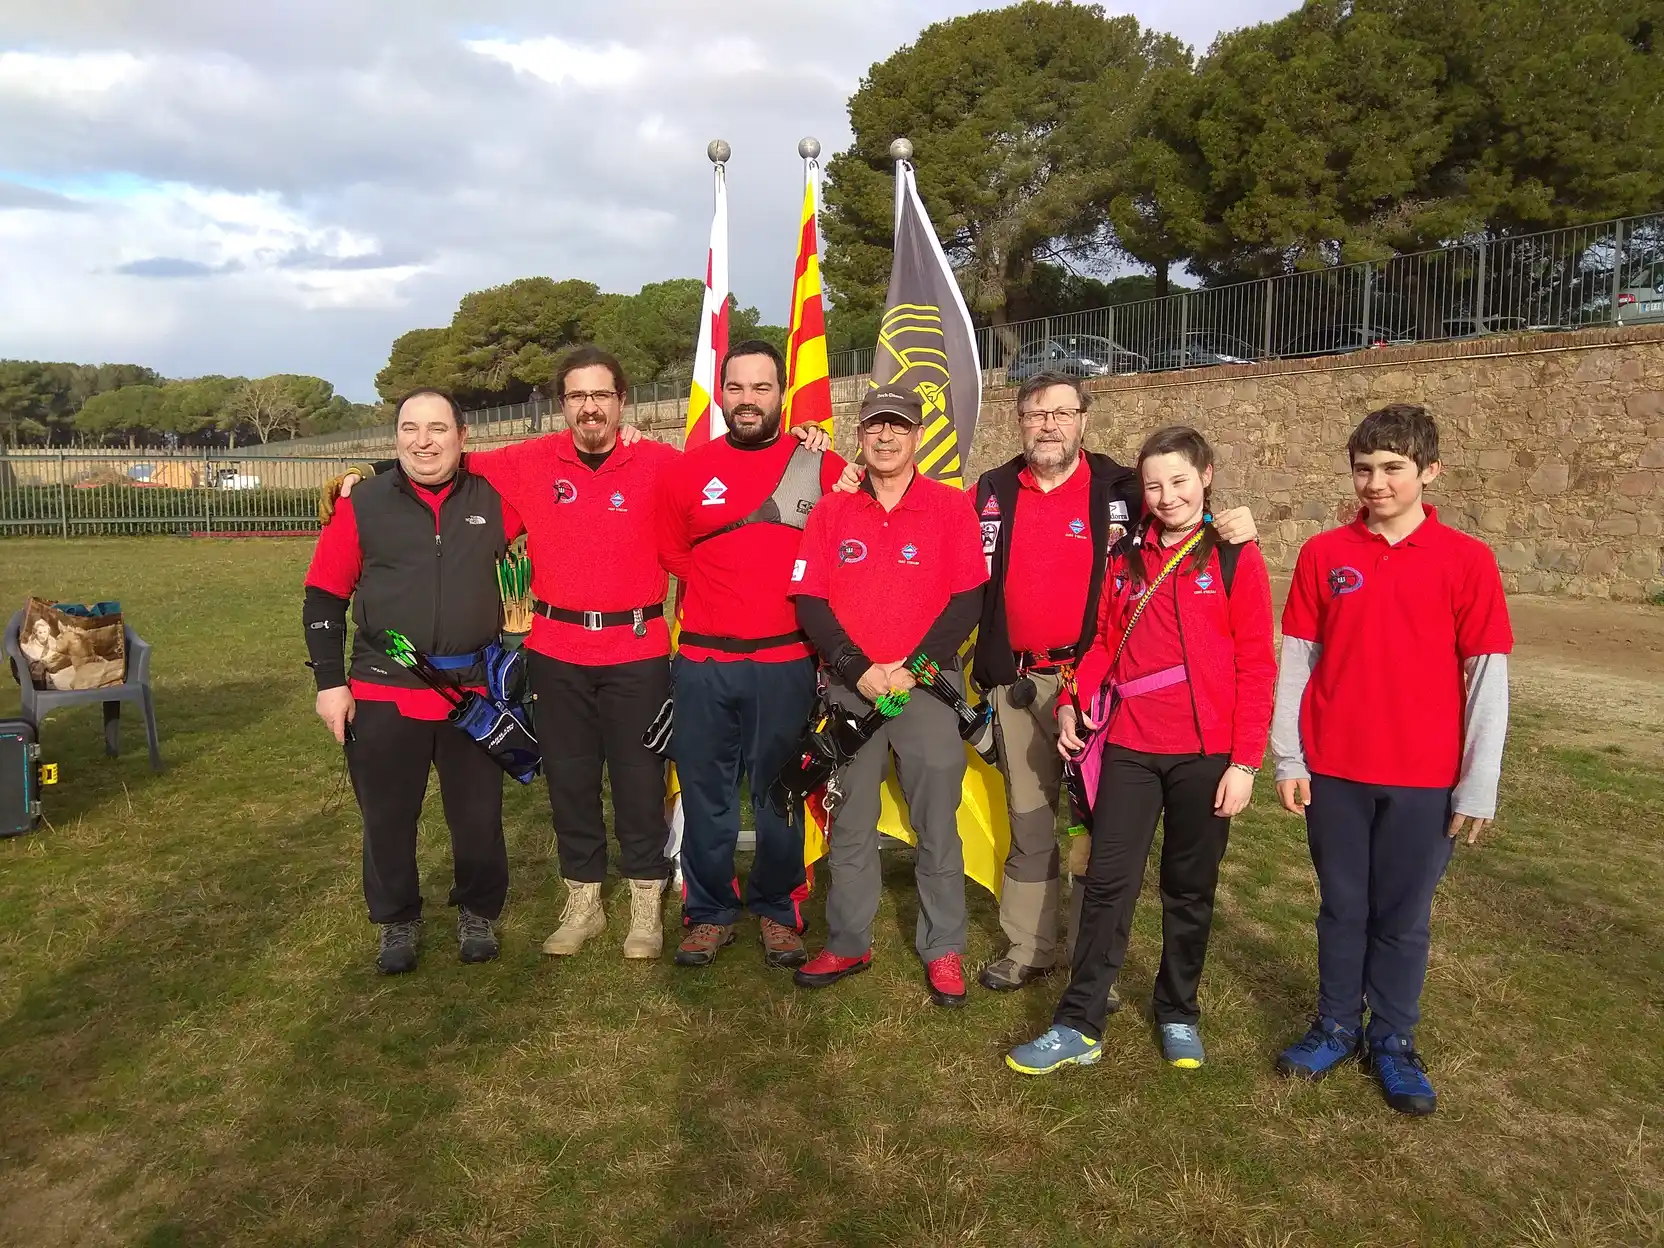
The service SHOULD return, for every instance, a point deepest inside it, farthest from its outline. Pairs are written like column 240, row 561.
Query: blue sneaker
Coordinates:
column 1319, row 1051
column 1181, row 1045
column 1403, row 1075
column 1059, row 1046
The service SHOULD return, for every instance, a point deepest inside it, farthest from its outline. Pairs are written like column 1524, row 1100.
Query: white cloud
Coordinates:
column 54, row 75
column 564, row 63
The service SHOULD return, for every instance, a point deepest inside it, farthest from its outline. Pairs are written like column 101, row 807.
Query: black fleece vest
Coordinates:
column 1114, row 502
column 436, row 586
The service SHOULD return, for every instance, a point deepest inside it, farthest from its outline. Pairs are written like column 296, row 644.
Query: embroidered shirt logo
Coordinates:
column 565, row 491
column 617, row 501
column 1117, row 510
column 473, row 519
column 1345, row 580
column 992, row 506
column 910, row 554
column 1204, row 583
column 713, row 492
column 990, row 536
column 1077, row 527
column 851, row 551
column 799, row 568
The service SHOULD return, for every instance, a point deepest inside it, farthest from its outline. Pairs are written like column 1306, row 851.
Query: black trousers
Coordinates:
column 388, row 759
column 587, row 718
column 1379, row 851
column 1134, row 791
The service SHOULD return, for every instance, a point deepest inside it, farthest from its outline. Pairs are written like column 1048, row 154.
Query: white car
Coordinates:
column 231, row 479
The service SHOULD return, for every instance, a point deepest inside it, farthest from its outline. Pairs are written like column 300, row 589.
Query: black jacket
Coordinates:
column 1115, row 503
column 436, row 586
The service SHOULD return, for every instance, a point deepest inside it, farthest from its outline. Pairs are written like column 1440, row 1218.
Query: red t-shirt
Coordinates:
column 590, row 537
column 1396, row 623
column 888, row 575
column 735, row 585
column 1049, row 563
column 338, row 562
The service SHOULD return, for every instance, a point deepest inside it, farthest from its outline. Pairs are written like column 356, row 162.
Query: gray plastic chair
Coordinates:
column 38, row 703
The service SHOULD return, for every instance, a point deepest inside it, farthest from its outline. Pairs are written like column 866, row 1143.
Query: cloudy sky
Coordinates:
column 242, row 187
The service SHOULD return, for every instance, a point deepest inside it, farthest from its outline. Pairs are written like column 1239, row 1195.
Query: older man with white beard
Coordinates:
column 1050, row 517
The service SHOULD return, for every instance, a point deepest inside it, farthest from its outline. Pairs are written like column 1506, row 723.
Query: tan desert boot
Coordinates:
column 581, row 919
column 646, row 938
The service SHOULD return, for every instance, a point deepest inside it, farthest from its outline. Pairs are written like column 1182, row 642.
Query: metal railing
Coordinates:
column 74, row 493
column 1603, row 274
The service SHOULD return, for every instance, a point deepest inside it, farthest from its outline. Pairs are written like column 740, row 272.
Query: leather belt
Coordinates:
column 1045, row 663
column 742, row 645
column 595, row 621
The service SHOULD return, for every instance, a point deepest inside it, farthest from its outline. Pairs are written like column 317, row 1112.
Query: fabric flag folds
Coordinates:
column 926, row 345
column 705, row 422
column 808, row 387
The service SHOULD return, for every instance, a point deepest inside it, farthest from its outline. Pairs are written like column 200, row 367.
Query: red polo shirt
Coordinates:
column 1049, row 562
column 887, row 575
column 338, row 562
column 1396, row 623
column 734, row 585
column 590, row 536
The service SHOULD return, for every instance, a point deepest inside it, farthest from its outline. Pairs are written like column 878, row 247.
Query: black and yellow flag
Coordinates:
column 925, row 343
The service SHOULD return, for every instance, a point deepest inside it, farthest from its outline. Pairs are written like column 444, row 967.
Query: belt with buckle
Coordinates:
column 1044, row 662
column 595, row 621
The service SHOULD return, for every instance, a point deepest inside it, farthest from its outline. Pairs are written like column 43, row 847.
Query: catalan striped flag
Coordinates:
column 705, row 419
column 808, row 388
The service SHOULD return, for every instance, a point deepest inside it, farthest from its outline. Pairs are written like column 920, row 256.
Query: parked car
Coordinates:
column 1476, row 327
column 1642, row 299
column 1200, row 348
column 1075, row 355
column 1341, row 339
column 231, row 479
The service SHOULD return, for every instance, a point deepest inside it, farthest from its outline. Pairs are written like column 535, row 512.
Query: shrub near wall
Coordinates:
column 1553, row 445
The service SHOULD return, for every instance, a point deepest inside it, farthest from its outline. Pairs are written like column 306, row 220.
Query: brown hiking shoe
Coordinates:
column 782, row 946
column 702, row 943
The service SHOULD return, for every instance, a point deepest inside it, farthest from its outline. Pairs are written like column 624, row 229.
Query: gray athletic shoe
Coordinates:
column 1007, row 974
column 398, row 947
column 476, row 939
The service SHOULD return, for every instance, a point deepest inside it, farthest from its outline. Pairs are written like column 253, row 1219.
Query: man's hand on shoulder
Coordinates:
column 1236, row 526
column 813, row 437
column 340, row 487
column 629, row 435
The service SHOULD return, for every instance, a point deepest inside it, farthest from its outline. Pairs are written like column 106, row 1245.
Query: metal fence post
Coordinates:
column 1184, row 329
column 63, row 499
column 1479, row 291
column 1617, row 269
column 1368, row 294
column 207, row 494
column 1267, row 317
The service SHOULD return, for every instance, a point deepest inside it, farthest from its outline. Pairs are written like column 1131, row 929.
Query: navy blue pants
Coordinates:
column 1379, row 851
column 733, row 719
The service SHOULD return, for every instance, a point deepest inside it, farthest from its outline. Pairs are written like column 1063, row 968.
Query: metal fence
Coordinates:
column 75, row 493
column 1605, row 274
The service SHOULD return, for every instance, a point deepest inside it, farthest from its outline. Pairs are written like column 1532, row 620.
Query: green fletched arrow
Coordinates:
column 400, row 650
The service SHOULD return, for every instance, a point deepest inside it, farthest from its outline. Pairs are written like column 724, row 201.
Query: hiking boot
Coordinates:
column 1058, row 1046
column 646, row 937
column 782, row 946
column 701, row 945
column 1403, row 1075
column 581, row 918
column 1181, row 1045
column 475, row 938
column 827, row 968
column 1326, row 1045
column 398, row 947
column 946, row 978
column 1007, row 974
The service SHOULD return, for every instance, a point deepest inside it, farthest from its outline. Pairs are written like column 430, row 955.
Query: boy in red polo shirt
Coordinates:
column 884, row 574
column 1392, row 709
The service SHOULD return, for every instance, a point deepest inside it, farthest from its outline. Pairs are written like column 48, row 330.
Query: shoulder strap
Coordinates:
column 794, row 496
column 1229, row 553
column 1178, row 557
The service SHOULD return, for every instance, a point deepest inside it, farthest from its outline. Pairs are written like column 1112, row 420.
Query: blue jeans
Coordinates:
column 732, row 719
column 1379, row 851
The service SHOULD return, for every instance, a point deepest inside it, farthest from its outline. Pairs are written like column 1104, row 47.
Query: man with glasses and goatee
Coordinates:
column 1050, row 517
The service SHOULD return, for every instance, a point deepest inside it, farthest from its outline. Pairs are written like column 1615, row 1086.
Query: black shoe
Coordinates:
column 1007, row 975
column 398, row 947
column 476, row 941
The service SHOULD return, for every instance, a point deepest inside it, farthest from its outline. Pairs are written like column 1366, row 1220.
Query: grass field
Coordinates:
column 195, row 1050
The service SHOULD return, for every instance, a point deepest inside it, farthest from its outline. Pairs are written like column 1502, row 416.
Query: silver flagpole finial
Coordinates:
column 809, row 148
column 901, row 149
column 719, row 151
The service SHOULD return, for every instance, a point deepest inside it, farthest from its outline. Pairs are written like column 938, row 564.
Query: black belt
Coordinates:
column 595, row 621
column 1049, row 661
column 742, row 645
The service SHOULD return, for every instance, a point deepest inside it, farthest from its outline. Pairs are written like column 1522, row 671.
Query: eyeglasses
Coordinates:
column 876, row 424
column 577, row 398
column 1064, row 416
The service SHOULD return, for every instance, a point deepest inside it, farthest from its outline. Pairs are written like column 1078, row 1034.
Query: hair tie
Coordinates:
column 1207, row 517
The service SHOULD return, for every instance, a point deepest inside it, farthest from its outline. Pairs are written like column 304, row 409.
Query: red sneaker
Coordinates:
column 827, row 968
column 946, row 979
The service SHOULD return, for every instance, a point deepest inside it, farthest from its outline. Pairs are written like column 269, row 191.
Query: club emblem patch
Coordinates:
column 1204, row 583
column 909, row 553
column 1345, row 580
column 713, row 492
column 617, row 501
column 1117, row 510
column 992, row 506
column 990, row 536
column 1116, row 533
column 1077, row 527
column 851, row 551
column 565, row 491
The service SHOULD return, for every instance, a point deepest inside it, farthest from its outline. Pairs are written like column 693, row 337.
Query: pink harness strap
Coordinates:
column 1091, row 761
column 1165, row 678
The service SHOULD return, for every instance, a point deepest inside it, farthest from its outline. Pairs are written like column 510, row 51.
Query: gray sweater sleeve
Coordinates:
column 1484, row 731
column 1299, row 660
